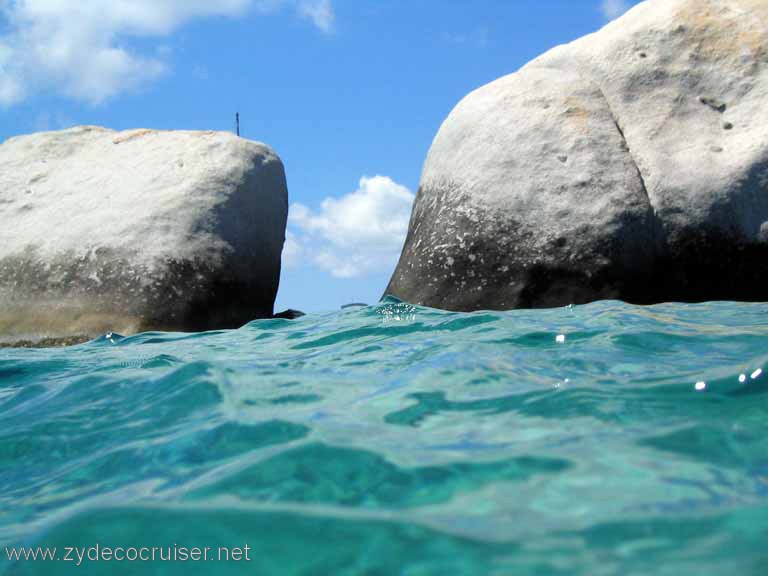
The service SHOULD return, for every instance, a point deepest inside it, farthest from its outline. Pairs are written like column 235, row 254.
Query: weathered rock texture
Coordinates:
column 630, row 164
column 129, row 231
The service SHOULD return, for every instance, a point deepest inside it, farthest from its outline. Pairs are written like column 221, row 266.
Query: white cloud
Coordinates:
column 612, row 9
column 320, row 12
column 292, row 250
column 360, row 233
column 79, row 48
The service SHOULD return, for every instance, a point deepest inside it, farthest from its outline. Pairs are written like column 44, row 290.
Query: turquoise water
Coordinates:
column 598, row 439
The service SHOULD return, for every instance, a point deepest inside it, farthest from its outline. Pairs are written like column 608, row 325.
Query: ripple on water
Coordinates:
column 598, row 439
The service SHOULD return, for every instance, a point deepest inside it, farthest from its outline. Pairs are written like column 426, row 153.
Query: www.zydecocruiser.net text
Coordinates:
column 78, row 555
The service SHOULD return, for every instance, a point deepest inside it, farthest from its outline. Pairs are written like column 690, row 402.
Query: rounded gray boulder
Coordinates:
column 630, row 164
column 138, row 230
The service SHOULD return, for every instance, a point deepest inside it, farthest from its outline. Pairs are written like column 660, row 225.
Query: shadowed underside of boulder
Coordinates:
column 140, row 230
column 630, row 164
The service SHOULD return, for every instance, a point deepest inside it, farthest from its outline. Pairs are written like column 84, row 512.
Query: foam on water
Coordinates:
column 598, row 439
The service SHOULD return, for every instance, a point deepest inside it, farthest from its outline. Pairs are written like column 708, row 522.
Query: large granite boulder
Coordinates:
column 630, row 164
column 138, row 230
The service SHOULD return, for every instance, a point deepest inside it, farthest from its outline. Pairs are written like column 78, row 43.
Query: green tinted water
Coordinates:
column 599, row 439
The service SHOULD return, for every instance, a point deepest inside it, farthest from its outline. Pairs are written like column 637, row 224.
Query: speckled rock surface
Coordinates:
column 630, row 164
column 140, row 230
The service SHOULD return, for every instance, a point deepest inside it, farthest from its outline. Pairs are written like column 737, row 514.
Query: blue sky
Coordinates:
column 349, row 93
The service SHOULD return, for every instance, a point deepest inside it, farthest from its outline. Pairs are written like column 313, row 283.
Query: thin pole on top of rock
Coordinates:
column 237, row 123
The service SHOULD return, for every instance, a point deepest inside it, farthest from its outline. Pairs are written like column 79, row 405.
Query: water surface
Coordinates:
column 598, row 439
